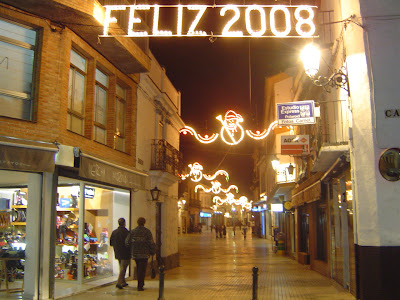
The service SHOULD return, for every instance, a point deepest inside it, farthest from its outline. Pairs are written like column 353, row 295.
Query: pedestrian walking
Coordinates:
column 142, row 246
column 121, row 251
column 244, row 231
column 224, row 230
column 216, row 231
column 234, row 230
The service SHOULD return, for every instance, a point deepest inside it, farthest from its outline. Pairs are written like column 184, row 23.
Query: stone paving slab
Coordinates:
column 213, row 269
column 221, row 268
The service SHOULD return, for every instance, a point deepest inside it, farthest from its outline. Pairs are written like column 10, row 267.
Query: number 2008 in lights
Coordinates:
column 255, row 17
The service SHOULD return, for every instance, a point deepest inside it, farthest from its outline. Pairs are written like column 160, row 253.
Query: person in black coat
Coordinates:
column 121, row 250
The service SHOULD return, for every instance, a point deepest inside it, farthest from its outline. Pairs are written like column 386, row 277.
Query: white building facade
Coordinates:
column 157, row 152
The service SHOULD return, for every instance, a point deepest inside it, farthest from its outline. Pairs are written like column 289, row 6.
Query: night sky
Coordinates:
column 214, row 78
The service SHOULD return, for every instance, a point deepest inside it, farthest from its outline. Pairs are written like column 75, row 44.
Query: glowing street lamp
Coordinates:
column 275, row 163
column 310, row 57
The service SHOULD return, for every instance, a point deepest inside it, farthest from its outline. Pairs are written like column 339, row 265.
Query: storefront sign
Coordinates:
column 296, row 113
column 282, row 174
column 295, row 144
column 237, row 20
column 392, row 113
column 96, row 170
column 24, row 159
column 89, row 192
column 277, row 207
column 205, row 215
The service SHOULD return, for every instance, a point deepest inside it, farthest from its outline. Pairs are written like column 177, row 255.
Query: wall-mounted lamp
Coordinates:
column 290, row 169
column 275, row 163
column 155, row 194
column 310, row 57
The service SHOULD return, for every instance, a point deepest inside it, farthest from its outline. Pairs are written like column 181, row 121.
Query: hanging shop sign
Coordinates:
column 295, row 144
column 296, row 113
column 283, row 175
column 233, row 20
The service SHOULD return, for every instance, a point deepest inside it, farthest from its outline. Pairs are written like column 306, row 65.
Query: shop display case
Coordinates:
column 13, row 209
column 82, row 247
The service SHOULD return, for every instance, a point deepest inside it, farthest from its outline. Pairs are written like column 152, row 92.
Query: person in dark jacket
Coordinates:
column 121, row 251
column 142, row 246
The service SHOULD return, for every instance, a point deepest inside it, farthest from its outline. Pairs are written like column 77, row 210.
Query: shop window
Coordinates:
column 304, row 230
column 17, row 69
column 83, row 227
column 67, row 230
column 322, row 232
column 120, row 112
column 100, row 107
column 76, row 93
column 18, row 207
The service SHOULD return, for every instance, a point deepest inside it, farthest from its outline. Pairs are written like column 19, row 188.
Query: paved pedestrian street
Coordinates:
column 221, row 268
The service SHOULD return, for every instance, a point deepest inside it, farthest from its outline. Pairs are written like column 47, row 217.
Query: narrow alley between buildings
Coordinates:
column 221, row 268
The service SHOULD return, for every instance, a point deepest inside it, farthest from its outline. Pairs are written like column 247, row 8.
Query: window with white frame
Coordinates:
column 160, row 130
column 120, row 109
column 17, row 68
column 76, row 92
column 100, row 107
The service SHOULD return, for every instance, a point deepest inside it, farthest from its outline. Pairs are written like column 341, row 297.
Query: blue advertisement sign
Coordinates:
column 296, row 113
column 205, row 215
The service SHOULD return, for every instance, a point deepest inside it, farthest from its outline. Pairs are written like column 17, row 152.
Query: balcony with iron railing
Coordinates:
column 166, row 158
column 330, row 135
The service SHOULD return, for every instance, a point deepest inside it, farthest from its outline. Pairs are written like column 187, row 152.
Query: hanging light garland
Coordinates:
column 232, row 133
column 216, row 188
column 196, row 173
column 230, row 199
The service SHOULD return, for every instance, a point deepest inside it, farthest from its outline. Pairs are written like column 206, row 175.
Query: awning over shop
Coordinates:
column 26, row 155
column 308, row 191
column 104, row 171
column 280, row 189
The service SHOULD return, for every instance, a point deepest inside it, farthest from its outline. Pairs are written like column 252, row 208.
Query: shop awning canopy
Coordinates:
column 280, row 189
column 27, row 155
column 100, row 170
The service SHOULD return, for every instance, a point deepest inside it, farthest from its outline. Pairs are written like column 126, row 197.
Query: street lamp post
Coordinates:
column 155, row 194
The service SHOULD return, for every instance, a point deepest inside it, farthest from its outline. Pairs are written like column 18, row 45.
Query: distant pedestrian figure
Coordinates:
column 121, row 251
column 244, row 231
column 142, row 246
column 234, row 230
column 216, row 231
column 224, row 230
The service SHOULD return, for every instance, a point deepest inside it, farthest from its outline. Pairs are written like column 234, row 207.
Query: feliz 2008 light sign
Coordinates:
column 259, row 20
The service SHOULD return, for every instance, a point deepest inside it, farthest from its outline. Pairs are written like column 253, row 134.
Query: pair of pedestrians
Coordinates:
column 138, row 244
column 220, row 231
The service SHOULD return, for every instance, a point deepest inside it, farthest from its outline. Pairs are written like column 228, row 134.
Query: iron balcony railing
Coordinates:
column 166, row 158
column 333, row 127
